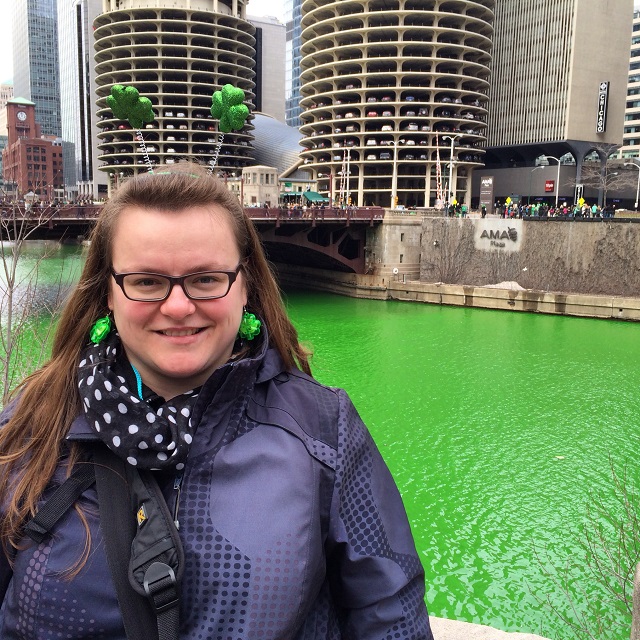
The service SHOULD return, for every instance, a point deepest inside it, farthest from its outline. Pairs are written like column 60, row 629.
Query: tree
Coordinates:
column 605, row 176
column 23, row 344
column 452, row 249
column 610, row 544
column 614, row 176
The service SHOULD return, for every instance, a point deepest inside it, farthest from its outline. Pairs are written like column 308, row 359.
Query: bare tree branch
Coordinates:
column 599, row 607
column 24, row 342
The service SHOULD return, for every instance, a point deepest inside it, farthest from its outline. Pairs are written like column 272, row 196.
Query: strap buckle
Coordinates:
column 161, row 586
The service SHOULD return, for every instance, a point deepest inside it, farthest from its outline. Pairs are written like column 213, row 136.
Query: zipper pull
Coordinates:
column 177, row 485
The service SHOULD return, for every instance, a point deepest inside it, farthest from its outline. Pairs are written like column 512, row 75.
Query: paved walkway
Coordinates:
column 444, row 629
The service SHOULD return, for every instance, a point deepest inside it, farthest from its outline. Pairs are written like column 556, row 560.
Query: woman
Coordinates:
column 290, row 522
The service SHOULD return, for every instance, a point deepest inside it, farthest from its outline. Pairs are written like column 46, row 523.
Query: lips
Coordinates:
column 180, row 333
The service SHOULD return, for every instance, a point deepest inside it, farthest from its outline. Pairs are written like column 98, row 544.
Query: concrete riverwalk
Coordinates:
column 444, row 629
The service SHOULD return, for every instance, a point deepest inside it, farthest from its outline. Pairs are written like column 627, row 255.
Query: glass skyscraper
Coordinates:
column 78, row 95
column 35, row 60
column 292, row 16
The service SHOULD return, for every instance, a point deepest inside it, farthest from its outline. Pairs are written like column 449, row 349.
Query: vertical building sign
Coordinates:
column 486, row 192
column 603, row 98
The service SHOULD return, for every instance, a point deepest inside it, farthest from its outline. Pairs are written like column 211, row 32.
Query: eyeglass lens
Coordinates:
column 145, row 286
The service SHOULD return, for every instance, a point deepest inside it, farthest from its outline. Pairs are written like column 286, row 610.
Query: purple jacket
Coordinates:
column 291, row 523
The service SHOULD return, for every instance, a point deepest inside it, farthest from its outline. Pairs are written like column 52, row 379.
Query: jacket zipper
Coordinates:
column 177, row 486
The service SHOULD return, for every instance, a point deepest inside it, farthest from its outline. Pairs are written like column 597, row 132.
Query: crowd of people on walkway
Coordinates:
column 543, row 210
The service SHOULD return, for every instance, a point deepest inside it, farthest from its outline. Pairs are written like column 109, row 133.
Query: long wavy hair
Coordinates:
column 47, row 401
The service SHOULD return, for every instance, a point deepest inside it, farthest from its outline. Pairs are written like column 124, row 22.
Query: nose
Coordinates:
column 177, row 305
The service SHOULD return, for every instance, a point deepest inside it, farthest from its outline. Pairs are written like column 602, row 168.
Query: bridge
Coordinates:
column 324, row 238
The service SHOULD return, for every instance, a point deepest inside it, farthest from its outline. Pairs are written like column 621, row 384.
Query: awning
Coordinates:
column 314, row 196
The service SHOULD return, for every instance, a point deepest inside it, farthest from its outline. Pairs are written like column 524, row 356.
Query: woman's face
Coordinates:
column 176, row 344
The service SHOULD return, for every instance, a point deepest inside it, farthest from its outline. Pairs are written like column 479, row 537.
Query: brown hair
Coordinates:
column 31, row 441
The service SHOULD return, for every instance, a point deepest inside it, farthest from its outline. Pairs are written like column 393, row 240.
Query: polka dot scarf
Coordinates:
column 144, row 437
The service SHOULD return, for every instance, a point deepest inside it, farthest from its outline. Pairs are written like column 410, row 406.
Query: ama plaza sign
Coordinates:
column 493, row 234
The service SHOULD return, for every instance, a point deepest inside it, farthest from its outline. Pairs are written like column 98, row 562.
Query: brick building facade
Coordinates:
column 30, row 162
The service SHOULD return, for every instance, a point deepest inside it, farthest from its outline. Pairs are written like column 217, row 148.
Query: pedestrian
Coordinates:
column 483, row 211
column 177, row 390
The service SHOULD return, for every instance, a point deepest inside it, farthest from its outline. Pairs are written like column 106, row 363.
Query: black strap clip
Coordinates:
column 161, row 586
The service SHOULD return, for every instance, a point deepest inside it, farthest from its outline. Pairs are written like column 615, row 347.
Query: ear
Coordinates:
column 110, row 300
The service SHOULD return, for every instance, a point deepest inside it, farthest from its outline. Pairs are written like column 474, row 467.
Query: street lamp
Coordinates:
column 558, row 177
column 531, row 176
column 633, row 164
column 451, row 191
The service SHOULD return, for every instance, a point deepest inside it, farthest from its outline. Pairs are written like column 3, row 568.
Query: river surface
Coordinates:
column 496, row 426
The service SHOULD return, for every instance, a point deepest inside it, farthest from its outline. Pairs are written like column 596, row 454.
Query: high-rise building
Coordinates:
column 6, row 93
column 77, row 96
column 293, row 17
column 35, row 60
column 555, row 77
column 176, row 53
column 631, row 133
column 558, row 88
column 394, row 98
column 270, row 65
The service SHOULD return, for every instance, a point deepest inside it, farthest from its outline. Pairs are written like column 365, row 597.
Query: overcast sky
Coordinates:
column 254, row 7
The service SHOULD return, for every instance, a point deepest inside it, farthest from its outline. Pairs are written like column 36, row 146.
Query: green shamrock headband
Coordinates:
column 229, row 108
column 126, row 104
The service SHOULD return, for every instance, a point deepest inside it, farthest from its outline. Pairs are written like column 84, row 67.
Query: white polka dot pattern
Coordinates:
column 145, row 437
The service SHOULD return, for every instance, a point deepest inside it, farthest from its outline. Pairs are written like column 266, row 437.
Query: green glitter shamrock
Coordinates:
column 249, row 327
column 126, row 104
column 100, row 329
column 228, row 107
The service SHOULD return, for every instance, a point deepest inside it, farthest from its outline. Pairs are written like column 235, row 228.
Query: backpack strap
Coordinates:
column 39, row 527
column 62, row 499
column 118, row 530
column 143, row 547
column 156, row 563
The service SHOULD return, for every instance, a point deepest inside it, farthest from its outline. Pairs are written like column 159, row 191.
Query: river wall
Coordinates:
column 599, row 257
column 582, row 268
column 506, row 298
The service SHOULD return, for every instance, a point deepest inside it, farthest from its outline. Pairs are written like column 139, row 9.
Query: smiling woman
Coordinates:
column 177, row 342
column 287, row 521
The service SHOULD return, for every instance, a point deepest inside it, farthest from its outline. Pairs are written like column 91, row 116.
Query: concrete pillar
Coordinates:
column 427, row 184
column 454, row 183
column 467, row 195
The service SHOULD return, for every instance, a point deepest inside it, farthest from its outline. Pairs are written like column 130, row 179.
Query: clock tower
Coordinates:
column 21, row 120
column 30, row 162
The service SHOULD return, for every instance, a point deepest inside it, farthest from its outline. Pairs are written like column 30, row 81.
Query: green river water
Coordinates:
column 495, row 425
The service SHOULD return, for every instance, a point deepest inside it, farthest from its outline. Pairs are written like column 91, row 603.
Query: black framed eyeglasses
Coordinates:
column 156, row 287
